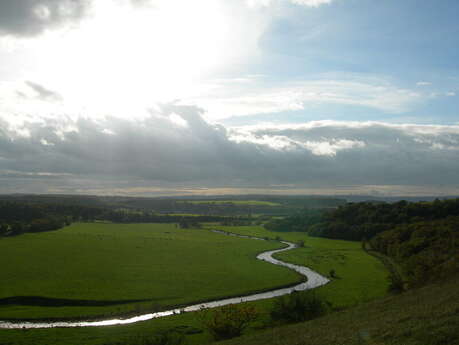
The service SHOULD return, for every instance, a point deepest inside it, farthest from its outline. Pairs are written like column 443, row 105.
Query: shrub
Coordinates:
column 297, row 307
column 229, row 321
column 396, row 283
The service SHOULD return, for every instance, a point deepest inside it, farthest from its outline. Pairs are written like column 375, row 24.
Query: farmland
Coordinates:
column 235, row 202
column 95, row 269
column 139, row 267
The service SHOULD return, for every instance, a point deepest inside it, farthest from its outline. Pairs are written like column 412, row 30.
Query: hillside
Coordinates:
column 424, row 316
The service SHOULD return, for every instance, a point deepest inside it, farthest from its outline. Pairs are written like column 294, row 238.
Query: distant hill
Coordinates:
column 222, row 205
column 392, row 199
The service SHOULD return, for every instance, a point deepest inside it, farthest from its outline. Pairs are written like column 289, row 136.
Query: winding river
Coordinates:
column 313, row 280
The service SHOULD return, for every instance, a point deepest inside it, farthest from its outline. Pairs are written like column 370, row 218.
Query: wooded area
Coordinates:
column 423, row 237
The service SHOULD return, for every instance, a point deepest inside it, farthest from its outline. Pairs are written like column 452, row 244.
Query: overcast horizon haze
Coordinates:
column 173, row 97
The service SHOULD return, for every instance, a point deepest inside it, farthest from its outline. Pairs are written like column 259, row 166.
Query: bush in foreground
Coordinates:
column 229, row 321
column 297, row 307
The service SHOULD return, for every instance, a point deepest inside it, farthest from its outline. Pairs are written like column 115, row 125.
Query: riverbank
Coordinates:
column 357, row 276
column 186, row 323
column 312, row 278
column 131, row 268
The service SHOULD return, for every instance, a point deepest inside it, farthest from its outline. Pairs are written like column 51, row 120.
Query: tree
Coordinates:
column 229, row 321
column 297, row 307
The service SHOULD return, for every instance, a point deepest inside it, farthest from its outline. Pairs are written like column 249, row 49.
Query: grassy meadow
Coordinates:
column 417, row 317
column 94, row 269
column 161, row 265
column 235, row 202
column 358, row 276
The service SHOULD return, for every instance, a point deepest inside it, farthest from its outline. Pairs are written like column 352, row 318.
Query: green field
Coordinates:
column 93, row 269
column 235, row 202
column 359, row 276
column 130, row 261
column 418, row 317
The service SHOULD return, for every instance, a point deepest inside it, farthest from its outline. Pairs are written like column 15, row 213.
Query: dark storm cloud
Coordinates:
column 387, row 154
column 192, row 151
column 32, row 17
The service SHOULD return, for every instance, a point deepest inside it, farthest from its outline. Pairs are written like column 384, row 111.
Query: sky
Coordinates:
column 176, row 97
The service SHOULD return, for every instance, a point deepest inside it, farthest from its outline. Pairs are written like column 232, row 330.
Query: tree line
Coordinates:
column 363, row 220
column 19, row 217
column 422, row 237
column 426, row 250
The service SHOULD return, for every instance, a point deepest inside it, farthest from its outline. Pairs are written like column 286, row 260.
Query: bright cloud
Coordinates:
column 122, row 58
column 423, row 83
column 284, row 143
column 330, row 148
column 260, row 97
column 311, row 3
column 308, row 3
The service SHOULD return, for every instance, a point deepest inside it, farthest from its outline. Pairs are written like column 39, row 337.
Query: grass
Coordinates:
column 94, row 269
column 425, row 316
column 110, row 335
column 237, row 251
column 235, row 202
column 359, row 276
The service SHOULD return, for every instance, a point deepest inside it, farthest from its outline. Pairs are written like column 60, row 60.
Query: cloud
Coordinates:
column 32, row 17
column 259, row 96
column 311, row 3
column 423, row 83
column 160, row 152
column 451, row 94
column 42, row 93
column 308, row 3
column 259, row 3
column 323, row 147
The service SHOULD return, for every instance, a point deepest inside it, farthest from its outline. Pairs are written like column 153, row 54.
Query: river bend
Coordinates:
column 313, row 280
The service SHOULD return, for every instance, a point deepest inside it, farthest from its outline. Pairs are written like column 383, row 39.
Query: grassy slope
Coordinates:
column 425, row 316
column 360, row 277
column 154, row 262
